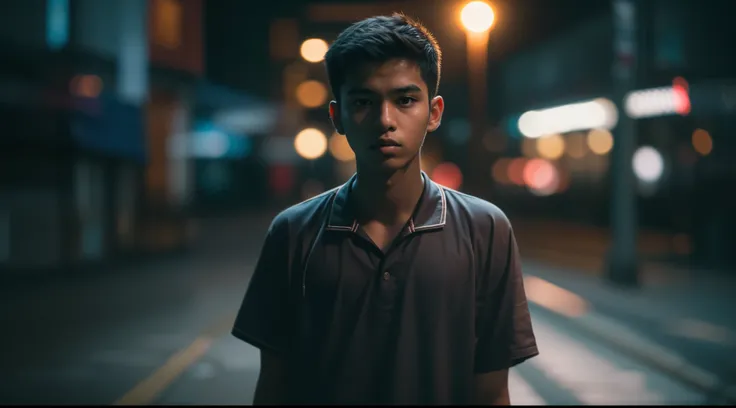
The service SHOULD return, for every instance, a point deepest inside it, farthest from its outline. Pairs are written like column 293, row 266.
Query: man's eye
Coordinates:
column 406, row 100
column 361, row 102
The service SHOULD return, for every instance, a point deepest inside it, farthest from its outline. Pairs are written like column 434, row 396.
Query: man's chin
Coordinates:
column 393, row 163
column 385, row 164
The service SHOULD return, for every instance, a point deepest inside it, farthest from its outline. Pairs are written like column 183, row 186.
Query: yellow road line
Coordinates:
column 146, row 392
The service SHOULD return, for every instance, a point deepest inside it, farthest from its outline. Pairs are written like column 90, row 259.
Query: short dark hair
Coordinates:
column 378, row 39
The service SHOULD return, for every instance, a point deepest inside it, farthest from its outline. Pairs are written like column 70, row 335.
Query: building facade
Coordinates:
column 91, row 92
column 684, row 163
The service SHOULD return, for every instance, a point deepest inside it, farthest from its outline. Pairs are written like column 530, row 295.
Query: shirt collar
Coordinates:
column 430, row 214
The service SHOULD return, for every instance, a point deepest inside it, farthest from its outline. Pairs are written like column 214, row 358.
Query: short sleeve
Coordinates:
column 263, row 318
column 505, row 336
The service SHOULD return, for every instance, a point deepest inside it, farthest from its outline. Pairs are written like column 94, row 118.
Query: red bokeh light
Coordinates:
column 448, row 175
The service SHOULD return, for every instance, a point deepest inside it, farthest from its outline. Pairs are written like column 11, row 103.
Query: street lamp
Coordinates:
column 477, row 18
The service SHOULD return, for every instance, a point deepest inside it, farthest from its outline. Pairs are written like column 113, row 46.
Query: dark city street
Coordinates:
column 147, row 145
column 159, row 332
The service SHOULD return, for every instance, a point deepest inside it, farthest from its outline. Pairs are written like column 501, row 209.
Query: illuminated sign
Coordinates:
column 57, row 23
column 598, row 113
column 648, row 103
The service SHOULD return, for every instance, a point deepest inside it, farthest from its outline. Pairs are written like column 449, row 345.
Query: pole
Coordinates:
column 477, row 63
column 622, row 255
column 477, row 49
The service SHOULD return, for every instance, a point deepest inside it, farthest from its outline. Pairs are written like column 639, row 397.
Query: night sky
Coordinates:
column 237, row 40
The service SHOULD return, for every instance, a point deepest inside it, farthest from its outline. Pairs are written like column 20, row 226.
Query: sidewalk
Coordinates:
column 681, row 322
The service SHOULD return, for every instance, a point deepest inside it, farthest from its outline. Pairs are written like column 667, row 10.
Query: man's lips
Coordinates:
column 385, row 143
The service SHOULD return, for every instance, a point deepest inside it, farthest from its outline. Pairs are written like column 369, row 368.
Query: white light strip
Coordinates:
column 654, row 102
column 598, row 113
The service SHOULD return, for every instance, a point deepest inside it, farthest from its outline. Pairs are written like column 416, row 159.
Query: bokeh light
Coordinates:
column 541, row 177
column 310, row 143
column 702, row 142
column 314, row 49
column 448, row 175
column 516, row 171
column 648, row 164
column 86, row 86
column 551, row 147
column 600, row 141
column 311, row 94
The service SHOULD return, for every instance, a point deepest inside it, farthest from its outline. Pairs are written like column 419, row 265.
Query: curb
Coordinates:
column 630, row 342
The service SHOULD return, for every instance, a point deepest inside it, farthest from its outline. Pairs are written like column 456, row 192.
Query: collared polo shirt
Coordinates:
column 411, row 324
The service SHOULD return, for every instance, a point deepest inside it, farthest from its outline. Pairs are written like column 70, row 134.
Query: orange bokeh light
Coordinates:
column 448, row 175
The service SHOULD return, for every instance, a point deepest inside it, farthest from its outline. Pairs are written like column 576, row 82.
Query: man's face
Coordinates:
column 385, row 113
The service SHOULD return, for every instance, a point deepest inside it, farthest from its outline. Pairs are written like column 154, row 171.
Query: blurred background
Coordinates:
column 146, row 145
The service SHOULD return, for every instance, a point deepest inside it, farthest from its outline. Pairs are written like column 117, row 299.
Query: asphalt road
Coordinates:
column 159, row 334
column 693, row 318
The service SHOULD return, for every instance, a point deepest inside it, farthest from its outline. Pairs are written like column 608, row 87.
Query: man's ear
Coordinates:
column 335, row 117
column 436, row 108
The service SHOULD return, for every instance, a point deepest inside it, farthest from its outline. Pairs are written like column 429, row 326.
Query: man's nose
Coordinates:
column 388, row 116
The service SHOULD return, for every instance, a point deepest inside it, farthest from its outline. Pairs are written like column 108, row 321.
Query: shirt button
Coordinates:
column 386, row 276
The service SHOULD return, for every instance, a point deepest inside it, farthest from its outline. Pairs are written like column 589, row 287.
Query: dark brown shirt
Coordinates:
column 411, row 325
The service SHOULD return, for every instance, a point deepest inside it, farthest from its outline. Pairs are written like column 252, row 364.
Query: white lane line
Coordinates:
column 521, row 392
column 626, row 338
column 700, row 330
column 595, row 379
column 634, row 342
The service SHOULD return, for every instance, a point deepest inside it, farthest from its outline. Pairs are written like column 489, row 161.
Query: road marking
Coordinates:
column 146, row 392
column 638, row 345
column 600, row 379
column 700, row 330
column 555, row 298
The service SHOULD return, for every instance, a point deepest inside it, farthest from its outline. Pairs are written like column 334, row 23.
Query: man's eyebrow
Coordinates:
column 402, row 90
column 407, row 89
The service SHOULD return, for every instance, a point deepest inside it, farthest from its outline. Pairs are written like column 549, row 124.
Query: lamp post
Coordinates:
column 622, row 262
column 477, row 18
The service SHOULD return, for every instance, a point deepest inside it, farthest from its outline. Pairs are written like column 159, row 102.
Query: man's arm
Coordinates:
column 492, row 388
column 503, row 324
column 271, row 388
column 264, row 319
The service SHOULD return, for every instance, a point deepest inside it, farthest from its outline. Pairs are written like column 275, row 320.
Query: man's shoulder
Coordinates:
column 302, row 214
column 475, row 210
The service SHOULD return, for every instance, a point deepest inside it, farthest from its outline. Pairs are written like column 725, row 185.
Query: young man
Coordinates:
column 389, row 289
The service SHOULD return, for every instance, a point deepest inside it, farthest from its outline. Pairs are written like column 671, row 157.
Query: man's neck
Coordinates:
column 389, row 198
